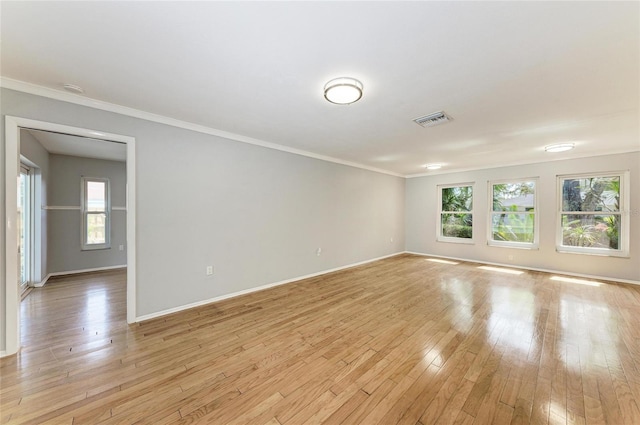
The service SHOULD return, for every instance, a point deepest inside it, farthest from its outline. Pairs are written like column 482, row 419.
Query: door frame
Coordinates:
column 13, row 125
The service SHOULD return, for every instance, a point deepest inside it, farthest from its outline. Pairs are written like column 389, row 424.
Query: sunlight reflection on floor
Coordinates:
column 578, row 281
column 501, row 270
column 438, row 260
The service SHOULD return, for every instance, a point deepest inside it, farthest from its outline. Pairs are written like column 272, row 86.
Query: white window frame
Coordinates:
column 29, row 255
column 85, row 212
column 535, row 212
column 623, row 212
column 439, row 236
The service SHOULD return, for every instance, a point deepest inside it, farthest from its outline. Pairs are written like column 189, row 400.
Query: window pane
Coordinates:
column 96, row 228
column 513, row 227
column 459, row 198
column 22, row 224
column 457, row 225
column 514, row 196
column 591, row 194
column 96, row 196
column 593, row 231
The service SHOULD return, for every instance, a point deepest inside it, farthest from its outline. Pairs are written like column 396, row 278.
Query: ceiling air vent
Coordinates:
column 433, row 119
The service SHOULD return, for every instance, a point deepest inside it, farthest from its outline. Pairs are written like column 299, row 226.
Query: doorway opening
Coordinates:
column 17, row 240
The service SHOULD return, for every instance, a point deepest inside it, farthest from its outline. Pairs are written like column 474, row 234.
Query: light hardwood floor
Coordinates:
column 404, row 340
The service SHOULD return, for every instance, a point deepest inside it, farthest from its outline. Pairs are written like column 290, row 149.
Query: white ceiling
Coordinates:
column 515, row 76
column 65, row 144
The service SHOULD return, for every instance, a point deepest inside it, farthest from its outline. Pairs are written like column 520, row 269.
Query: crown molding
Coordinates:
column 62, row 96
column 50, row 93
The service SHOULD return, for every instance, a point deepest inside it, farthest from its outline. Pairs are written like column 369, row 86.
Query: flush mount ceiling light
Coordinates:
column 343, row 90
column 73, row 88
column 560, row 147
column 433, row 166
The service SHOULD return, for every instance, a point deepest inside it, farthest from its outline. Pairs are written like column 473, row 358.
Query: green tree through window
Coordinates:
column 591, row 214
column 591, row 210
column 456, row 212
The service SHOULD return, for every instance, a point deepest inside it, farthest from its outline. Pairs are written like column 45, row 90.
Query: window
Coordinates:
column 513, row 219
column 25, row 225
column 591, row 214
column 96, row 208
column 455, row 206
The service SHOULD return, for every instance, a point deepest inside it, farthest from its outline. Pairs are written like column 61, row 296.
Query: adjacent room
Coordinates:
column 320, row 212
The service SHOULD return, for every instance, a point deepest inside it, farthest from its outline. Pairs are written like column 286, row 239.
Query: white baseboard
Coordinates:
column 256, row 289
column 95, row 269
column 512, row 266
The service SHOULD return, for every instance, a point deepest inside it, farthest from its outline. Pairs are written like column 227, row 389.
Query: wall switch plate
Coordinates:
column 319, row 251
column 209, row 270
column 121, row 247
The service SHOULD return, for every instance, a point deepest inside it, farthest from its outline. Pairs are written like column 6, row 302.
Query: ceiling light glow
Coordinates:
column 562, row 147
column 343, row 90
column 73, row 88
column 433, row 166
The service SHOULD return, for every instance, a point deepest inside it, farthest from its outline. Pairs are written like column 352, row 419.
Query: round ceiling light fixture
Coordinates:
column 562, row 147
column 433, row 166
column 343, row 90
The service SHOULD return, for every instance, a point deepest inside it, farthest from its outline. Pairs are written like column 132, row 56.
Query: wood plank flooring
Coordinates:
column 405, row 340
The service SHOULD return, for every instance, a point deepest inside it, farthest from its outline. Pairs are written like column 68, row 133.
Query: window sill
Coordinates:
column 96, row 248
column 623, row 255
column 515, row 245
column 457, row 240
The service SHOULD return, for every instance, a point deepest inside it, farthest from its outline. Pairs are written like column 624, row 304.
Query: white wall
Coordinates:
column 257, row 215
column 65, row 225
column 422, row 214
column 38, row 157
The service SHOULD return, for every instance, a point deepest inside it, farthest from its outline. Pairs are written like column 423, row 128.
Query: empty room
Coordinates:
column 299, row 213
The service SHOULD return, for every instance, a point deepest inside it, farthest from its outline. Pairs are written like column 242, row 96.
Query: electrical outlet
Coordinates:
column 319, row 251
column 209, row 270
column 510, row 257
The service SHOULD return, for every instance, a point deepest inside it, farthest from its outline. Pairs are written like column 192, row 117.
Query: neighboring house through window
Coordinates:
column 513, row 219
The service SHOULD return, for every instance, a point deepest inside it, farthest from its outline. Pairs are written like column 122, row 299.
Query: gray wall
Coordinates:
column 64, row 242
column 257, row 215
column 422, row 211
column 38, row 156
